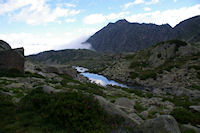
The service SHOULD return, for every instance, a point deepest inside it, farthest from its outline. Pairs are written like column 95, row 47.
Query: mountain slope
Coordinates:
column 171, row 66
column 79, row 57
column 123, row 36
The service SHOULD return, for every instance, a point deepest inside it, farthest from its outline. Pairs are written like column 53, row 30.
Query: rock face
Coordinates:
column 123, row 36
column 11, row 58
column 162, row 124
column 4, row 45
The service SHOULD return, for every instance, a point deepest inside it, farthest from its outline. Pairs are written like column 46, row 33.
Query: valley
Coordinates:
column 139, row 84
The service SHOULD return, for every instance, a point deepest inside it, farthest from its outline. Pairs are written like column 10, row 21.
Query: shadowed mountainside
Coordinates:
column 123, row 36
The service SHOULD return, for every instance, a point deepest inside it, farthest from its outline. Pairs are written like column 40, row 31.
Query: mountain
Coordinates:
column 78, row 57
column 169, row 66
column 124, row 36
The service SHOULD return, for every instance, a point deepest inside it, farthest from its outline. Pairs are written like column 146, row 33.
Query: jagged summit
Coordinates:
column 123, row 36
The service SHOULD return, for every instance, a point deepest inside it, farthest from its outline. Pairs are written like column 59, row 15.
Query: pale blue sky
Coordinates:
column 39, row 25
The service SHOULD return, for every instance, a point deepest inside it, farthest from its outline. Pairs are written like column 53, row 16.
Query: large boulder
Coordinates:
column 4, row 45
column 161, row 124
column 11, row 58
column 125, row 102
column 129, row 121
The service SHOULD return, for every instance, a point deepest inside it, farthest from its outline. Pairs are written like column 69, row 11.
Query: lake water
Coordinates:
column 98, row 79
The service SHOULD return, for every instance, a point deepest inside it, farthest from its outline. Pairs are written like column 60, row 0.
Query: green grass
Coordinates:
column 185, row 116
column 196, row 67
column 133, row 75
column 138, row 93
column 182, row 101
column 55, row 113
column 147, row 74
column 15, row 73
column 139, row 107
column 196, row 87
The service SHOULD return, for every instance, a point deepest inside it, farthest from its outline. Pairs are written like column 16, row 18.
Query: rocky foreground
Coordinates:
column 56, row 98
column 130, row 110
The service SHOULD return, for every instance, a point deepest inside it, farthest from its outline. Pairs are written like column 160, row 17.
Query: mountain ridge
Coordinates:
column 123, row 36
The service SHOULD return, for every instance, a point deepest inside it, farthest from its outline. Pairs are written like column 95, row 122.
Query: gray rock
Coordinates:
column 144, row 114
column 185, row 128
column 114, row 110
column 4, row 45
column 161, row 124
column 50, row 90
column 196, row 108
column 125, row 102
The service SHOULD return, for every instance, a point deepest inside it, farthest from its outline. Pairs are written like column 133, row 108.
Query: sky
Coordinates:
column 41, row 25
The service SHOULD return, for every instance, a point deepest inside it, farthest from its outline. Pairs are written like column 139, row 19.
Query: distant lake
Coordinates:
column 98, row 79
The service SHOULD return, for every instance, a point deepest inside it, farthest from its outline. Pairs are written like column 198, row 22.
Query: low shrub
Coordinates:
column 139, row 107
column 147, row 74
column 11, row 73
column 133, row 75
column 185, row 116
column 75, row 112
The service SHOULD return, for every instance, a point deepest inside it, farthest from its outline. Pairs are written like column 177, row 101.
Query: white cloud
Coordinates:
column 99, row 18
column 35, row 43
column 136, row 2
column 147, row 9
column 94, row 19
column 152, row 2
column 70, row 5
column 127, row 5
column 34, row 12
column 172, row 17
column 70, row 20
column 175, row 0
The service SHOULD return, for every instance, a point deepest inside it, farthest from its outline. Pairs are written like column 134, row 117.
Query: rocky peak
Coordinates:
column 124, row 36
column 4, row 45
column 11, row 58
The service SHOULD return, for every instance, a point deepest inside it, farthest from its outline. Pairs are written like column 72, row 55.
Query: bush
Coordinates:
column 194, row 67
column 148, row 74
column 198, row 75
column 133, row 75
column 74, row 112
column 11, row 73
column 139, row 107
column 185, row 116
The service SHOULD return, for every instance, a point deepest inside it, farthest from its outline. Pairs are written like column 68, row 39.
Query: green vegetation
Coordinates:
column 11, row 73
column 16, row 73
column 194, row 67
column 198, row 75
column 138, row 93
column 133, row 75
column 62, row 112
column 189, row 131
column 185, row 116
column 139, row 107
column 196, row 87
column 181, row 101
column 147, row 74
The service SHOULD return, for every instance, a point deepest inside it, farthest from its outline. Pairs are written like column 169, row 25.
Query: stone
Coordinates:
column 50, row 90
column 114, row 110
column 144, row 114
column 125, row 102
column 186, row 128
column 4, row 45
column 11, row 58
column 195, row 108
column 161, row 124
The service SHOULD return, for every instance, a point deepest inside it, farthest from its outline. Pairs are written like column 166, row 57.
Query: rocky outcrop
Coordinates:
column 4, row 45
column 161, row 124
column 11, row 58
